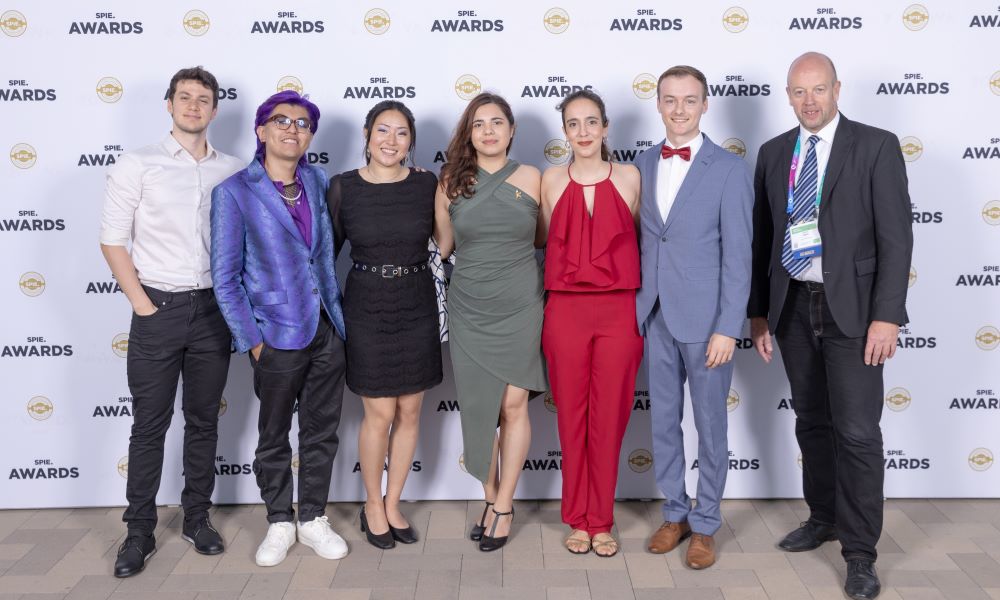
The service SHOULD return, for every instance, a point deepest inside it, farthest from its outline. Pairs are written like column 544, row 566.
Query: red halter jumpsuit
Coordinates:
column 592, row 344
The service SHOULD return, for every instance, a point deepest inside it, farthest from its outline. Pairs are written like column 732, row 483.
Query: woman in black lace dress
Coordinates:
column 386, row 211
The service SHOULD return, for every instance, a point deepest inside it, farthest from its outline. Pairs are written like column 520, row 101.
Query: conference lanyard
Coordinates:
column 790, row 207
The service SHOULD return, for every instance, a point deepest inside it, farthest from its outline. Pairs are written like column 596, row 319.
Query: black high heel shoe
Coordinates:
column 379, row 540
column 489, row 543
column 479, row 528
column 405, row 535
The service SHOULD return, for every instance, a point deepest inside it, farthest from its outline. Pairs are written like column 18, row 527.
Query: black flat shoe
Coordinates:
column 133, row 554
column 403, row 536
column 809, row 536
column 206, row 539
column 379, row 540
column 479, row 528
column 489, row 543
column 862, row 580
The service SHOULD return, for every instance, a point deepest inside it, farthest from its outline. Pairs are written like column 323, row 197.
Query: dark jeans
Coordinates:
column 315, row 376
column 185, row 337
column 838, row 405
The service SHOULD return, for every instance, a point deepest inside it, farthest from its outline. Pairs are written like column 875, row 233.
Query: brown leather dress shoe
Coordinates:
column 701, row 551
column 668, row 536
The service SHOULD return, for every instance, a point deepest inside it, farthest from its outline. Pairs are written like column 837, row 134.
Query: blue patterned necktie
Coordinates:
column 802, row 208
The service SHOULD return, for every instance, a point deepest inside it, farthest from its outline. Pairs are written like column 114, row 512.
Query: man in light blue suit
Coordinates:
column 273, row 264
column 696, row 230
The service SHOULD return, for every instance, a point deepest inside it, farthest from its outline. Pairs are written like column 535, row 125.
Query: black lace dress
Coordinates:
column 390, row 308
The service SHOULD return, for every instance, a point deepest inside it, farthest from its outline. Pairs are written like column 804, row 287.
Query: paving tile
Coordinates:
column 475, row 593
column 265, row 586
column 675, row 594
column 980, row 567
column 781, row 584
column 438, row 585
column 714, row 578
column 93, row 587
column 209, row 582
column 744, row 593
column 568, row 593
column 647, row 570
column 614, row 585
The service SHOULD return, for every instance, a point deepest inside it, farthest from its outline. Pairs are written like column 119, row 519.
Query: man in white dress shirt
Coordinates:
column 696, row 227
column 159, row 197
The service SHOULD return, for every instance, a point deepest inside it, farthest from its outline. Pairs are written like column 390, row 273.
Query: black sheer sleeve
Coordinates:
column 333, row 198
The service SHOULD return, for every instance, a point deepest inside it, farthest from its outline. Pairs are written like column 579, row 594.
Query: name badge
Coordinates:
column 805, row 239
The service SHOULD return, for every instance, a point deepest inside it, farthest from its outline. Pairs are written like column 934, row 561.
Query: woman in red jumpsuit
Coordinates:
column 590, row 338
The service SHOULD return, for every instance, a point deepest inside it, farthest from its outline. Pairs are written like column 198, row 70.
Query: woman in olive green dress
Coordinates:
column 494, row 302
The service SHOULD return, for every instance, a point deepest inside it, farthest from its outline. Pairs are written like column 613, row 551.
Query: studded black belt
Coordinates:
column 390, row 271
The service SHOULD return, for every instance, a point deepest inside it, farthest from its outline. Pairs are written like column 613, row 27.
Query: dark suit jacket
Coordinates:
column 864, row 220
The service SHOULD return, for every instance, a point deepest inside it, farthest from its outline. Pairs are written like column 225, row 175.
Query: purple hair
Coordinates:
column 285, row 97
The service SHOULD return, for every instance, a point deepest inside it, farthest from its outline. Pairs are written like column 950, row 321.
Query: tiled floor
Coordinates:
column 929, row 549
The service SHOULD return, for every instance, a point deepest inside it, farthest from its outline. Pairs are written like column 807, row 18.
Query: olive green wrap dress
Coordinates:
column 495, row 307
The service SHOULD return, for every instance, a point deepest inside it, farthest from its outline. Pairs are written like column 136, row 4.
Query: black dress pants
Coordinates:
column 186, row 337
column 314, row 376
column 838, row 405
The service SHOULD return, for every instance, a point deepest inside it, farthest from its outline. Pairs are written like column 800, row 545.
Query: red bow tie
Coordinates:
column 666, row 152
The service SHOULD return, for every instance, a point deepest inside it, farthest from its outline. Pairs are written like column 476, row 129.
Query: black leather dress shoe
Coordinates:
column 808, row 537
column 862, row 580
column 201, row 533
column 133, row 554
column 404, row 536
column 384, row 541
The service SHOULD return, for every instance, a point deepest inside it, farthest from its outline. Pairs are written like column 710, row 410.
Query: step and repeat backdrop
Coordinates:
column 83, row 82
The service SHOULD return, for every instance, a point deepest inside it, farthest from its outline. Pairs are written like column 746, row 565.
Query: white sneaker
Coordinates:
column 318, row 535
column 280, row 537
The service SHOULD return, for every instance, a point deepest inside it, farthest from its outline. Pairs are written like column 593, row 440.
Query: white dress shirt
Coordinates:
column 814, row 272
column 670, row 174
column 160, row 197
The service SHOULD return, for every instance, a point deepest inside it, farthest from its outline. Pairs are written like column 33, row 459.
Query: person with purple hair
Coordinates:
column 273, row 264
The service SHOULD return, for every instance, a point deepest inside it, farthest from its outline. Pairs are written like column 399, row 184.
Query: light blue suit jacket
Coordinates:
column 269, row 285
column 697, row 263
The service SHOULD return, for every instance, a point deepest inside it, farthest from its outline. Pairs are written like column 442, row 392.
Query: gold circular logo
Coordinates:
column 13, row 23
column 377, row 21
column 289, row 82
column 736, row 146
column 898, row 399
column 295, row 464
column 980, row 459
column 735, row 19
column 40, row 408
column 640, row 460
column 549, row 402
column 223, row 406
column 468, row 87
column 557, row 151
column 732, row 400
column 915, row 17
column 995, row 83
column 644, row 86
column 196, row 23
column 119, row 345
column 556, row 20
column 123, row 467
column 32, row 284
column 461, row 462
column 798, row 460
column 913, row 277
column 110, row 90
column 23, row 156
column 988, row 338
column 991, row 212
column 911, row 147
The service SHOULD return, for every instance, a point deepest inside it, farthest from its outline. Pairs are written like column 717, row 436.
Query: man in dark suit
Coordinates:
column 832, row 244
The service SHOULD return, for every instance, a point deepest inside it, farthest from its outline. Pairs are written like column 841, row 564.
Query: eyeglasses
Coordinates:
column 283, row 123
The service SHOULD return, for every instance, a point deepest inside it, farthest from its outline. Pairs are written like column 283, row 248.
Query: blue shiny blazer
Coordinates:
column 268, row 283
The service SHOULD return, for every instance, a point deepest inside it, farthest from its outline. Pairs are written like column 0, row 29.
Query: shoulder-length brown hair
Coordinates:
column 459, row 174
